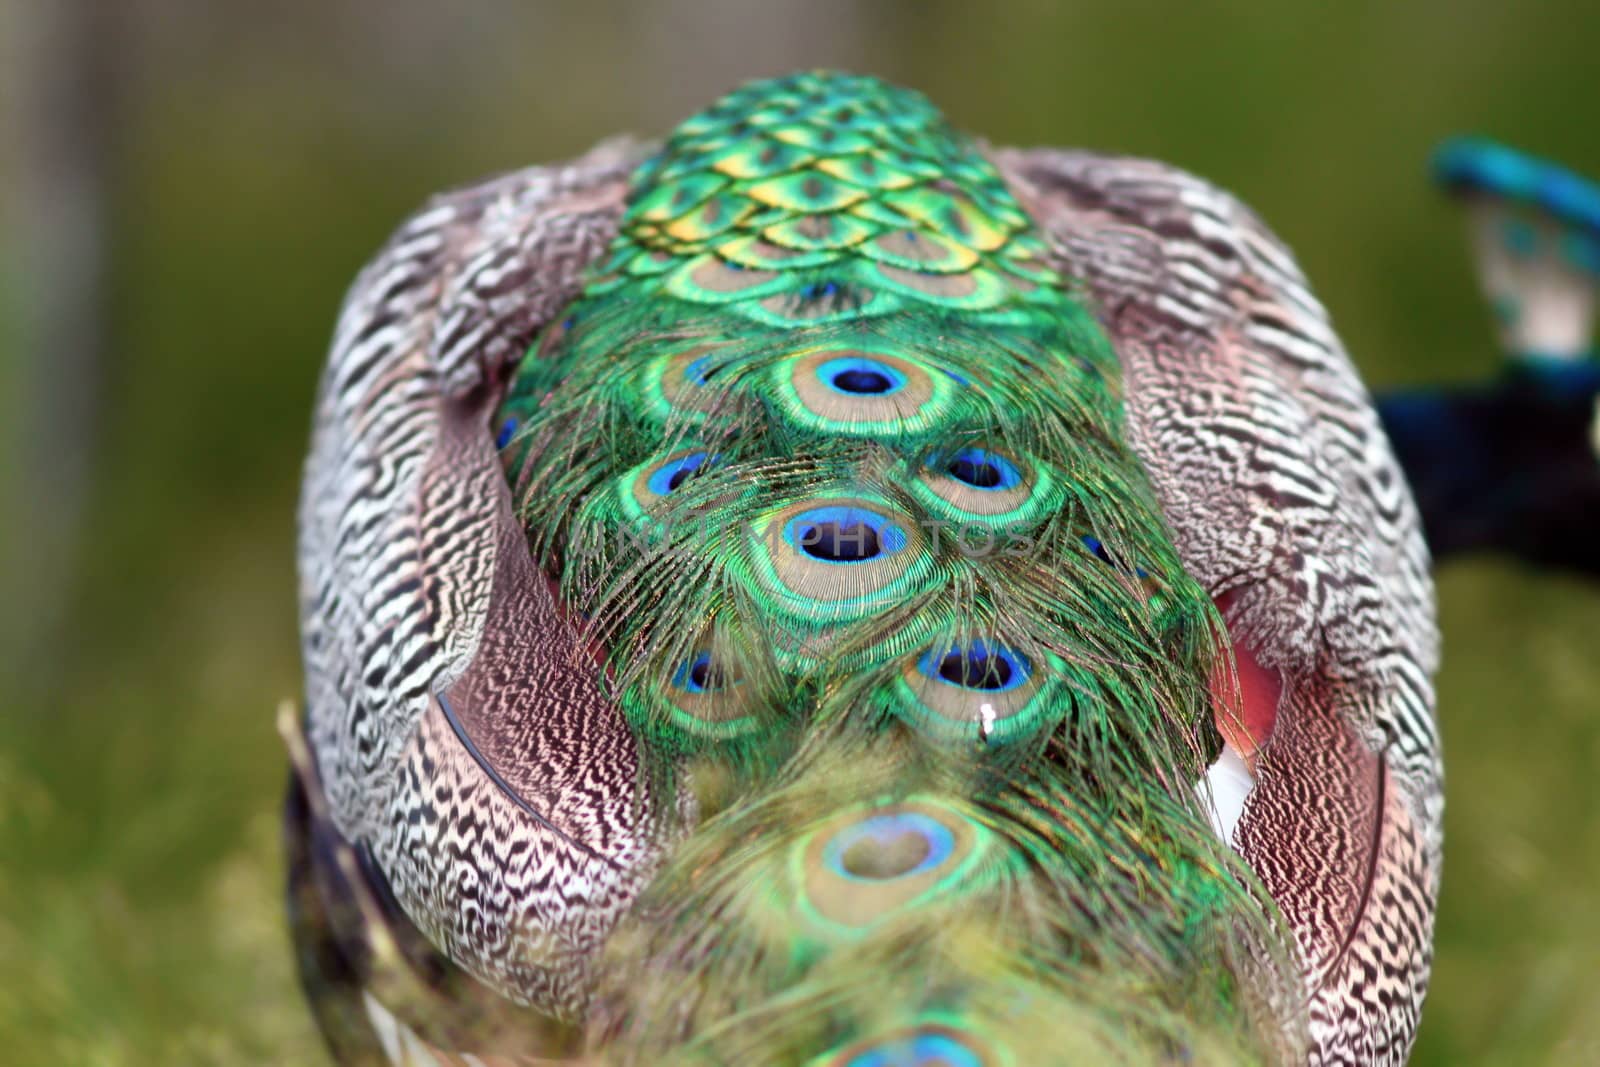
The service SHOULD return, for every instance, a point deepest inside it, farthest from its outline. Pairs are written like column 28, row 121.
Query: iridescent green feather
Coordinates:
column 833, row 464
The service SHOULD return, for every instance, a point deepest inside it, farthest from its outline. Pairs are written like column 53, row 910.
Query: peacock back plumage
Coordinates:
column 823, row 650
column 851, row 472
column 833, row 467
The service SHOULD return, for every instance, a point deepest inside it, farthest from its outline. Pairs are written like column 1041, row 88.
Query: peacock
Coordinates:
column 1509, row 465
column 823, row 589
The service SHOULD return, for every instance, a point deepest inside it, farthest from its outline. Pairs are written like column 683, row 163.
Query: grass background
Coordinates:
column 259, row 153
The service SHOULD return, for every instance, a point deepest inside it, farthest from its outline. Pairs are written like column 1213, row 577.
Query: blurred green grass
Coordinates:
column 262, row 157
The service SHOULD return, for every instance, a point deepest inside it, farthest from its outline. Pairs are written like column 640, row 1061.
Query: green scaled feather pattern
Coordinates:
column 832, row 466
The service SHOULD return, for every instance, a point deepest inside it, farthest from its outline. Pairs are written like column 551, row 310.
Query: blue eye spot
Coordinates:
column 698, row 675
column 926, row 1049
column 857, row 376
column 670, row 475
column 843, row 534
column 1100, row 552
column 818, row 290
column 702, row 370
column 980, row 665
column 983, row 469
column 885, row 848
column 503, row 438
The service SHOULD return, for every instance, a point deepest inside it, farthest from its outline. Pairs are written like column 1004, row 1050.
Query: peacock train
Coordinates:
column 823, row 589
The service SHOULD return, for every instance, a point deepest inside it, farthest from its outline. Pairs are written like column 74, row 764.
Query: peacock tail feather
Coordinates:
column 830, row 465
column 824, row 590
